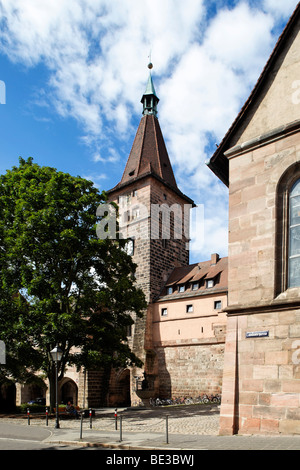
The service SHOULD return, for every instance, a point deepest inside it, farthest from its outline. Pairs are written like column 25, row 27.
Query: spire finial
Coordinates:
column 150, row 65
column 149, row 98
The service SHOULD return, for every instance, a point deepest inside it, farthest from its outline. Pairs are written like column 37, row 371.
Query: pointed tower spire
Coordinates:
column 149, row 98
column 149, row 156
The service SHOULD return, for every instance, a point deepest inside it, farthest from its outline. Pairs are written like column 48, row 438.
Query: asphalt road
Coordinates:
column 18, row 437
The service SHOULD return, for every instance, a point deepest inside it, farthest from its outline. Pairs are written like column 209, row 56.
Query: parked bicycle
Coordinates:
column 201, row 399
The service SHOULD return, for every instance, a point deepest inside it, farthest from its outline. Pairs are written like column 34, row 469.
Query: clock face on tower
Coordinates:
column 129, row 247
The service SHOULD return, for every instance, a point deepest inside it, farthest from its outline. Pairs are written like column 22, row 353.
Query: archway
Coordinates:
column 7, row 396
column 124, row 388
column 68, row 391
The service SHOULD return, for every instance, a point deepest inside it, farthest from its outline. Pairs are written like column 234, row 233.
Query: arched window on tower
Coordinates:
column 294, row 236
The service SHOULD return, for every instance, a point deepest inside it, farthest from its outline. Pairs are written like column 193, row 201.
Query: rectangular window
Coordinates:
column 209, row 283
column 170, row 290
column 164, row 243
column 164, row 312
column 129, row 330
column 195, row 286
column 135, row 213
column 217, row 305
column 181, row 288
column 126, row 216
column 189, row 309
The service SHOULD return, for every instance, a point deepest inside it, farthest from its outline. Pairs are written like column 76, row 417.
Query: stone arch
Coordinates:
column 124, row 387
column 119, row 388
column 7, row 396
column 68, row 391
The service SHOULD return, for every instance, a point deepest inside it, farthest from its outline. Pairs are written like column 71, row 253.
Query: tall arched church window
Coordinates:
column 287, row 245
column 294, row 236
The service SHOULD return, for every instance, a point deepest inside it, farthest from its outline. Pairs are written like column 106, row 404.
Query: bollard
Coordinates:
column 167, row 430
column 90, row 418
column 120, row 429
column 46, row 416
column 81, row 422
column 116, row 419
column 28, row 416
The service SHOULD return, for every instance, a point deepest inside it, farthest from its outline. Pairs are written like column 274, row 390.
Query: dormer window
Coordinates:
column 210, row 283
column 170, row 290
column 195, row 285
column 181, row 288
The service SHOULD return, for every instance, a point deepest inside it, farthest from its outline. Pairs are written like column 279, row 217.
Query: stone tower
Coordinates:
column 154, row 217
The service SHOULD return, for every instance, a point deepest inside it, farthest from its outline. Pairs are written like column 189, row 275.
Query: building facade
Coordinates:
column 177, row 340
column 229, row 325
column 259, row 161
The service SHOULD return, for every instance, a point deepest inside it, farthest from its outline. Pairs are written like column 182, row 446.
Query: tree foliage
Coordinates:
column 59, row 283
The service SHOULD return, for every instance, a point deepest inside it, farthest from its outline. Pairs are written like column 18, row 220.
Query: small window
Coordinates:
column 181, row 288
column 135, row 213
column 134, row 193
column 217, row 305
column 164, row 312
column 129, row 330
column 209, row 283
column 170, row 290
column 195, row 285
column 126, row 216
column 189, row 309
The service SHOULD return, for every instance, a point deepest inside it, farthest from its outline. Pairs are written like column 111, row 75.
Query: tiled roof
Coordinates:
column 195, row 273
column 148, row 155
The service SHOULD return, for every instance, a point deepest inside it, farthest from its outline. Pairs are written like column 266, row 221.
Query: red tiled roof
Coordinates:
column 195, row 272
column 149, row 157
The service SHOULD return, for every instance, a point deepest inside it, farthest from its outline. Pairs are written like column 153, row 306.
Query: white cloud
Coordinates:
column 96, row 52
column 208, row 86
column 280, row 8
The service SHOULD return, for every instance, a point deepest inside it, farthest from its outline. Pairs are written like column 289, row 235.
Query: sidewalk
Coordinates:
column 166, row 429
column 177, row 442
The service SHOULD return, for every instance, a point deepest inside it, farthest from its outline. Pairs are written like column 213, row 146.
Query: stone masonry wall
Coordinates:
column 261, row 383
column 190, row 370
column 267, row 371
column 254, row 177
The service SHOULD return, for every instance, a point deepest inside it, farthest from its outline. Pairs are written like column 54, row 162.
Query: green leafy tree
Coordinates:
column 59, row 283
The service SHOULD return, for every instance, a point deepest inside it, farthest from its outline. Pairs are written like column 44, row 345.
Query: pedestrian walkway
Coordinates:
column 186, row 428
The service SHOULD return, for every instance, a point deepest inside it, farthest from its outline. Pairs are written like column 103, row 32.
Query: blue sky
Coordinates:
column 75, row 72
